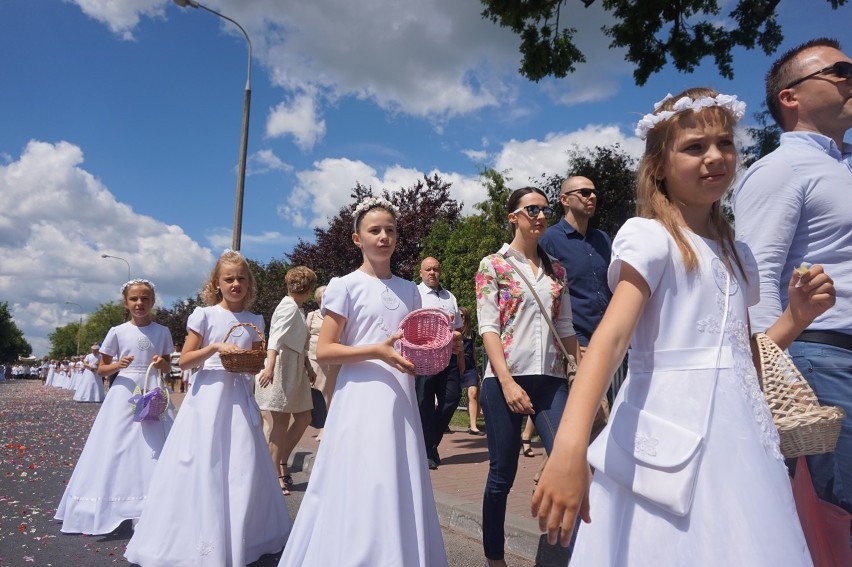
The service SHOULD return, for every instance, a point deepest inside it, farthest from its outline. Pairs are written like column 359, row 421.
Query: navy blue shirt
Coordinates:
column 586, row 261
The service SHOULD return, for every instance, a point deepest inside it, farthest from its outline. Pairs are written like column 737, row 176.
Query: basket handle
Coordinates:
column 256, row 330
column 147, row 373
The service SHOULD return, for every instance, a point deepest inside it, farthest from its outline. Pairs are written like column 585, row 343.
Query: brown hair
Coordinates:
column 652, row 199
column 465, row 329
column 300, row 279
column 781, row 73
column 210, row 292
column 512, row 205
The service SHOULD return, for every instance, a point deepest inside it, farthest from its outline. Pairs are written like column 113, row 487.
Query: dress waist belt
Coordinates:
column 680, row 359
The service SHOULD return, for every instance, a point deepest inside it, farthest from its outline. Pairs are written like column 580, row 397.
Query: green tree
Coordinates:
column 63, row 341
column 766, row 136
column 460, row 246
column 421, row 206
column 613, row 171
column 12, row 342
column 270, row 287
column 99, row 322
column 653, row 31
column 175, row 317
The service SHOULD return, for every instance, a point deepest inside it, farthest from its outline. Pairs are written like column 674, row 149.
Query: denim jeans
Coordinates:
column 548, row 396
column 438, row 397
column 828, row 369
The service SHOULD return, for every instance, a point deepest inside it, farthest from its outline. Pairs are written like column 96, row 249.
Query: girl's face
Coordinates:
column 376, row 236
column 700, row 163
column 525, row 222
column 139, row 300
column 233, row 282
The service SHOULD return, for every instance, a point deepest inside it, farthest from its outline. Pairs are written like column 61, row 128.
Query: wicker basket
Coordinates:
column 805, row 427
column 249, row 361
column 149, row 405
column 427, row 340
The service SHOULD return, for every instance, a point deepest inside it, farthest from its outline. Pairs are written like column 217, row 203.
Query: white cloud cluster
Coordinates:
column 57, row 220
column 322, row 191
column 433, row 59
column 121, row 17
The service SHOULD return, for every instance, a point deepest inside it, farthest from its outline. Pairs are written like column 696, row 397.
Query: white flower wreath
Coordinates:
column 649, row 121
column 373, row 203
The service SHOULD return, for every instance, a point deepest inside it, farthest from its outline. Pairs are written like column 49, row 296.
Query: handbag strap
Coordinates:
column 568, row 358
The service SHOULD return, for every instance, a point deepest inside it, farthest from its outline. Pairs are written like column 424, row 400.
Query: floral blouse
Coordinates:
column 505, row 306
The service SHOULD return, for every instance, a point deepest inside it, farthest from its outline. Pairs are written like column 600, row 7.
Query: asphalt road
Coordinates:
column 42, row 432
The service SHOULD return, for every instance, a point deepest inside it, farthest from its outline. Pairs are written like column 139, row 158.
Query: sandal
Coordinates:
column 287, row 484
column 526, row 447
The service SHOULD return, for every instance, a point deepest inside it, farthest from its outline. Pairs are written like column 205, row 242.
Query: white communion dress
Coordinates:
column 369, row 500
column 90, row 386
column 110, row 480
column 742, row 512
column 214, row 499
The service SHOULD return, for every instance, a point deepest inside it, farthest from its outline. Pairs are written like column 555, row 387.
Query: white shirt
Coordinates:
column 441, row 299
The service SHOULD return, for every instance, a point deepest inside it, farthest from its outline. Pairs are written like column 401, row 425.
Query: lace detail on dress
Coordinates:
column 205, row 547
column 746, row 376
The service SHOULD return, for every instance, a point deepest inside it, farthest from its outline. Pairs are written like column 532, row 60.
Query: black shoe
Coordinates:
column 478, row 432
column 433, row 464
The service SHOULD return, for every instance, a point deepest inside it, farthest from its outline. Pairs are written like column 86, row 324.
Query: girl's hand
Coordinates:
column 265, row 376
column 125, row 361
column 562, row 493
column 391, row 356
column 161, row 364
column 810, row 294
column 458, row 345
column 516, row 397
column 224, row 348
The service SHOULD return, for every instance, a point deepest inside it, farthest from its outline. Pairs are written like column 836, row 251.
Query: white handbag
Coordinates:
column 651, row 456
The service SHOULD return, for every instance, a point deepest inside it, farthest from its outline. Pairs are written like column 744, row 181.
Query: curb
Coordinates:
column 523, row 538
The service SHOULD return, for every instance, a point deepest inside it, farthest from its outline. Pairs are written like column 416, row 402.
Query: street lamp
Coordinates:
column 119, row 258
column 241, row 168
column 80, row 328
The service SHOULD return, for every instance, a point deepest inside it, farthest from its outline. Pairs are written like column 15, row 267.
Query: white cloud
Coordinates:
column 57, row 220
column 321, row 192
column 476, row 156
column 264, row 161
column 121, row 17
column 299, row 119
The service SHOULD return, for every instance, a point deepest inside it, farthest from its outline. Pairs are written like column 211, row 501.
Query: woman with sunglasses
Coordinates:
column 521, row 293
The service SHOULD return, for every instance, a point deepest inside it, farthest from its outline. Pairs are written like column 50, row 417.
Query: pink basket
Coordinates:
column 427, row 340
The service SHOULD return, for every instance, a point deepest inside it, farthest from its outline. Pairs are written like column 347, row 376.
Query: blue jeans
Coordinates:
column 548, row 396
column 828, row 369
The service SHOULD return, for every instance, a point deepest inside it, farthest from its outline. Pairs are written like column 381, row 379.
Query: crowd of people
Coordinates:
column 688, row 469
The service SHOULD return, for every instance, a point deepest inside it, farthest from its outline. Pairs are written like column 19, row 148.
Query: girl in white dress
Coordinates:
column 681, row 292
column 51, row 374
column 90, row 387
column 111, row 478
column 227, row 509
column 369, row 500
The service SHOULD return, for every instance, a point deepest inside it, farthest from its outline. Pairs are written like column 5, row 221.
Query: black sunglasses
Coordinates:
column 585, row 192
column 534, row 210
column 841, row 69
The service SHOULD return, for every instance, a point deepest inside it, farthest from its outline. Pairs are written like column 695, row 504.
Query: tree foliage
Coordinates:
column 12, row 342
column 653, row 31
column 102, row 319
column 766, row 136
column 175, row 317
column 421, row 206
column 613, row 171
column 460, row 247
column 63, row 341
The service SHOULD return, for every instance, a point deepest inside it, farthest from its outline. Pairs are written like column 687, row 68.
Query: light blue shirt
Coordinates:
column 792, row 206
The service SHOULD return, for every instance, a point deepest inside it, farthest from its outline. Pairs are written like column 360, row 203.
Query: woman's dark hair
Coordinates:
column 512, row 205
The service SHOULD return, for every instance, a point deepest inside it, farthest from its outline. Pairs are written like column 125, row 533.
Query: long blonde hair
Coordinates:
column 210, row 292
column 652, row 198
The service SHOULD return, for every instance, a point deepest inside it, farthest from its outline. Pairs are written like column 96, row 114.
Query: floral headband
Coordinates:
column 374, row 203
column 138, row 281
column 649, row 121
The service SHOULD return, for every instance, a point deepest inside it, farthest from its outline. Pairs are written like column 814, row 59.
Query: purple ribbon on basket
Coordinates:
column 149, row 406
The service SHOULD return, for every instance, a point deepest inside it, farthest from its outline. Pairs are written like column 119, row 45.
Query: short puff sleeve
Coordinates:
column 336, row 299
column 197, row 322
column 646, row 246
column 109, row 346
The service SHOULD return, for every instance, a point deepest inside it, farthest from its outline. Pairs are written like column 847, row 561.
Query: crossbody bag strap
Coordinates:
column 572, row 364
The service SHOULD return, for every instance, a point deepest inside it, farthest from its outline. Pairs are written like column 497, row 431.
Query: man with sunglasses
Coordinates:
column 584, row 252
column 795, row 205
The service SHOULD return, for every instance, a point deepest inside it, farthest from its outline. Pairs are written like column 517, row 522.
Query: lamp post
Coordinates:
column 241, row 168
column 80, row 328
column 119, row 258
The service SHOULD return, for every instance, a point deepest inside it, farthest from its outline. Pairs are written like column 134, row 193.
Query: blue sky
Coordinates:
column 121, row 123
